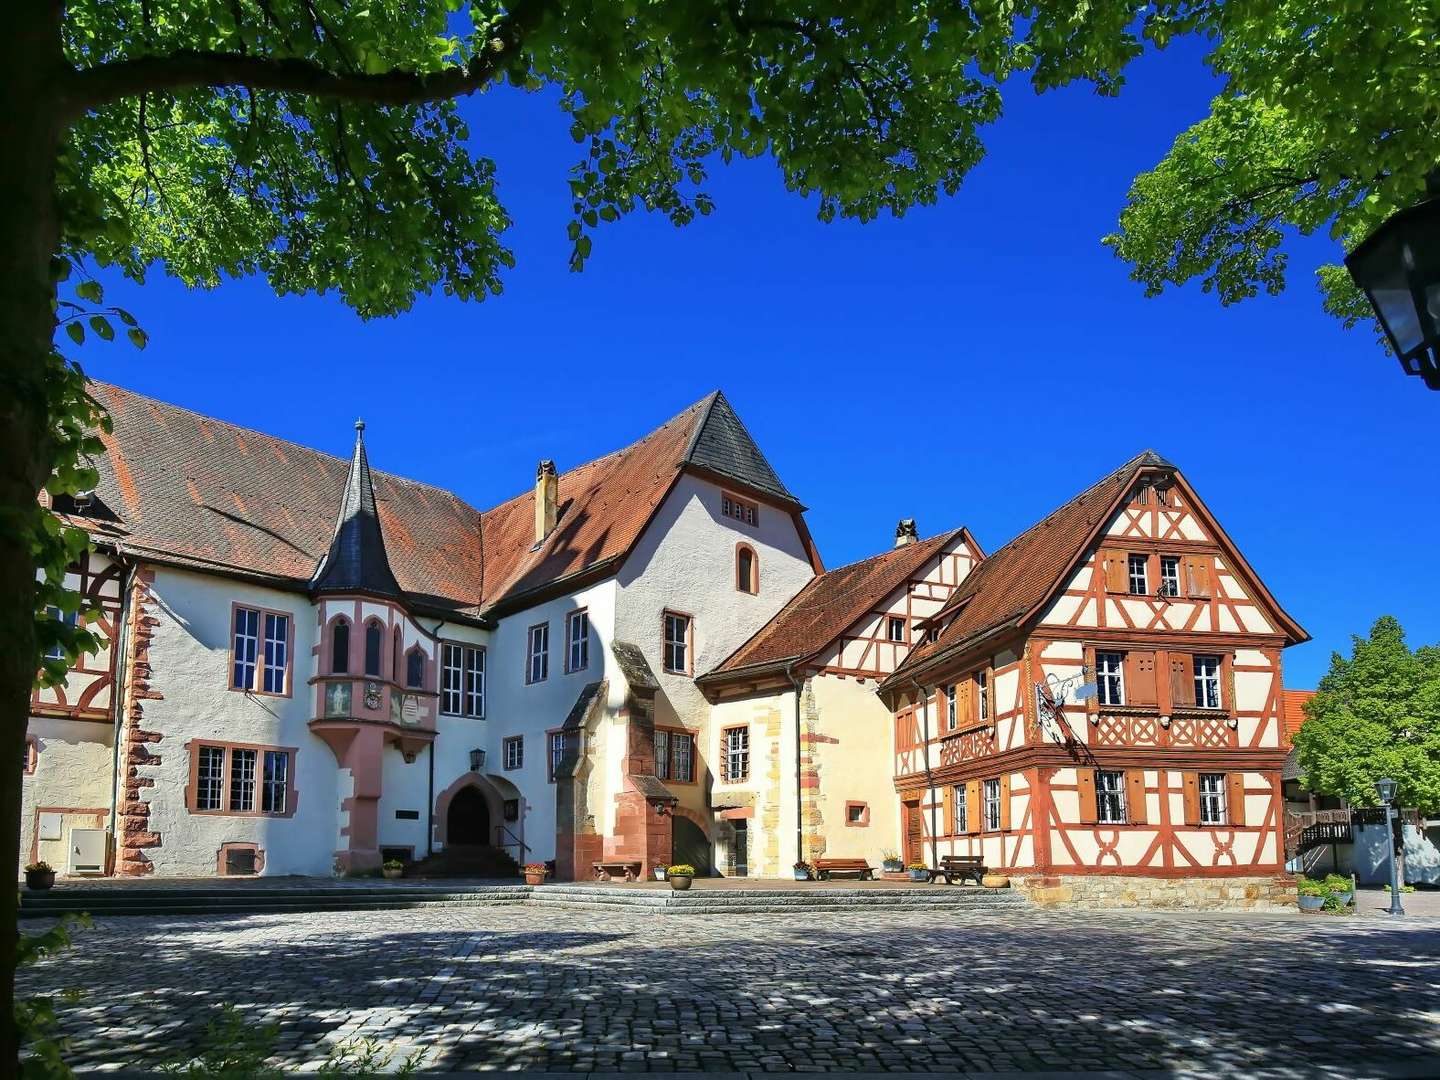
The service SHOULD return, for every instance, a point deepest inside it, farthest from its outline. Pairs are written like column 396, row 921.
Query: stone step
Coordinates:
column 299, row 904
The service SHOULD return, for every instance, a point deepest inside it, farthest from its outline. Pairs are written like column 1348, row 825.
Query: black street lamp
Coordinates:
column 1398, row 268
column 1386, row 790
column 477, row 760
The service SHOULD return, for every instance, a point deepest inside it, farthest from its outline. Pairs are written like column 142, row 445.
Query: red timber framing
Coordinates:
column 88, row 692
column 1179, row 777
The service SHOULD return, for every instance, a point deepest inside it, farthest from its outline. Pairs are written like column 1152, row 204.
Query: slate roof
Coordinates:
column 190, row 490
column 356, row 560
column 828, row 605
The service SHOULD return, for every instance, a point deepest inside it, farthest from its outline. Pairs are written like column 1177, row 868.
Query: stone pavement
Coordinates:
column 587, row 991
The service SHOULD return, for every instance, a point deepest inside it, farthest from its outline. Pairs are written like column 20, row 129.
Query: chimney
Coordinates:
column 547, row 488
column 905, row 532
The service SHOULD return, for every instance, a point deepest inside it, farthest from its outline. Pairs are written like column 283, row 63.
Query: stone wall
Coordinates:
column 1261, row 893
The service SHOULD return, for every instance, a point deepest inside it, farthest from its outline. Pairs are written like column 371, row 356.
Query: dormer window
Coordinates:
column 373, row 639
column 747, row 570
column 340, row 647
column 747, row 513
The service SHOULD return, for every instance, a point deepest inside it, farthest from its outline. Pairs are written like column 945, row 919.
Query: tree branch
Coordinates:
column 91, row 88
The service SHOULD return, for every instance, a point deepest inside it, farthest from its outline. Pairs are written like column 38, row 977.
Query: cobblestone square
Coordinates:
column 576, row 990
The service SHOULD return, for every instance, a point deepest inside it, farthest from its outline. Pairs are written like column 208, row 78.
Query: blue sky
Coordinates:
column 976, row 362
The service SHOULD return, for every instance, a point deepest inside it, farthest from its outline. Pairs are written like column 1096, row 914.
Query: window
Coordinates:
column 513, row 752
column 415, row 668
column 396, row 664
column 662, row 754
column 340, row 647
column 1110, row 797
column 736, row 744
column 577, row 641
column 952, row 713
column 462, row 680
column 682, row 757
column 857, row 814
column 267, row 672
column 962, row 816
column 228, row 780
column 1212, row 799
column 1138, row 585
column 537, row 667
column 677, row 643
column 373, row 635
column 747, row 570
column 897, row 628
column 982, row 696
column 557, row 751
column 740, row 510
column 57, row 651
column 1110, row 678
column 1207, row 682
column 992, row 805
column 1169, row 575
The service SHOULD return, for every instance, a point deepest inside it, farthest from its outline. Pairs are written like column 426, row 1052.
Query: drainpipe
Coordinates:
column 118, row 658
column 799, row 791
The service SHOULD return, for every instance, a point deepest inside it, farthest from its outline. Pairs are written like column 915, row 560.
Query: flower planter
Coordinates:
column 39, row 880
column 893, row 866
column 534, row 879
column 1311, row 903
column 919, row 875
column 680, row 882
column 393, row 872
column 659, row 872
column 802, row 875
column 1345, row 897
column 995, row 881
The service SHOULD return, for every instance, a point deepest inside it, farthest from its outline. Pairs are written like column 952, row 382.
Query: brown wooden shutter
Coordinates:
column 1089, row 813
column 964, row 716
column 972, row 806
column 1197, row 575
column 1182, row 682
column 949, row 801
column 1117, row 571
column 1135, row 795
column 1004, row 802
column 1140, row 678
column 1192, row 798
column 1235, row 797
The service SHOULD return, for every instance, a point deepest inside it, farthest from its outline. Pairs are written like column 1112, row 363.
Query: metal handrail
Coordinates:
column 515, row 841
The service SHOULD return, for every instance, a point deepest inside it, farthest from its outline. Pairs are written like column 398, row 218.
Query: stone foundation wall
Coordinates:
column 1257, row 893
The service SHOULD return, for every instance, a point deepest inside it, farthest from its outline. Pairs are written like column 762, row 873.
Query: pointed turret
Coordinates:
column 356, row 560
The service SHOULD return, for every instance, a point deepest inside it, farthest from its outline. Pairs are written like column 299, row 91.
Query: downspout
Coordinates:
column 799, row 791
column 121, row 662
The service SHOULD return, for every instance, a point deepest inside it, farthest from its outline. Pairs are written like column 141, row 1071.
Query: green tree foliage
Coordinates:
column 1330, row 118
column 1376, row 714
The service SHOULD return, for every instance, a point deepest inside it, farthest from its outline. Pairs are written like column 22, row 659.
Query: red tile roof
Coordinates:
column 184, row 488
column 830, row 604
column 1293, row 712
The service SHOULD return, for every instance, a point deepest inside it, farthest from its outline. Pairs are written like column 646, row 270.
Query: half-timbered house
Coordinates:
column 1097, row 709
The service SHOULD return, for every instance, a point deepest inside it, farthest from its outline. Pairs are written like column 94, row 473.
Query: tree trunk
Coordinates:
column 31, row 67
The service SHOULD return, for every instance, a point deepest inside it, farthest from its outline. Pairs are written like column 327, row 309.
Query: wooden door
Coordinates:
column 914, row 833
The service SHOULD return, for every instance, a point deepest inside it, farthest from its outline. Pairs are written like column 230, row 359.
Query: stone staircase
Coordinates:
column 457, row 861
column 159, row 899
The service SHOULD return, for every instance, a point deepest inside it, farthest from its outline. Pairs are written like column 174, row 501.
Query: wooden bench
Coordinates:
column 604, row 871
column 961, row 866
column 859, row 867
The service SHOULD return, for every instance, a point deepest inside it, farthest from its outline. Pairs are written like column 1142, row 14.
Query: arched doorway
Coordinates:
column 688, row 844
column 467, row 822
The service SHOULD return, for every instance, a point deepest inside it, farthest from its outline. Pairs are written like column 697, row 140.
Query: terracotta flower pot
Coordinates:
column 680, row 882
column 995, row 881
column 534, row 879
column 393, row 872
column 39, row 879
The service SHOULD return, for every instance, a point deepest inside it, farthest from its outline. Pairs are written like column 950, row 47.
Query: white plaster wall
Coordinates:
column 855, row 768
column 770, row 789
column 685, row 561
column 73, row 770
column 190, row 655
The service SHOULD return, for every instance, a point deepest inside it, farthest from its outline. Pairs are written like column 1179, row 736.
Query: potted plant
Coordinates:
column 1312, row 895
column 534, row 873
column 392, row 868
column 995, row 881
column 680, row 875
column 1341, row 888
column 891, row 862
column 39, row 875
column 802, row 871
column 659, row 872
column 918, row 871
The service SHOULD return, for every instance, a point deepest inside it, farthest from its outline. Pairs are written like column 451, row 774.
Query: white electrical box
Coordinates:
column 51, row 825
column 88, row 848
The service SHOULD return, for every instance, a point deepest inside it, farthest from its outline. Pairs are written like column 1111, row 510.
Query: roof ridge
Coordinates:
column 343, row 460
column 938, row 540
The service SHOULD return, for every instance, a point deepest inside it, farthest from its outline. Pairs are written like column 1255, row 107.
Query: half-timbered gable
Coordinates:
column 1102, row 697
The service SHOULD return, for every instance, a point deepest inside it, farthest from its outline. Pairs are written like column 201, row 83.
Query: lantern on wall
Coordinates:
column 1398, row 268
column 477, row 760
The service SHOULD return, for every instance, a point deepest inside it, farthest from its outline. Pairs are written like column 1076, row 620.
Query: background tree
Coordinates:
column 1376, row 714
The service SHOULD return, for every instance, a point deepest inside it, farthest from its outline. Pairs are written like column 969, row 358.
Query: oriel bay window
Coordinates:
column 260, row 651
column 462, row 680
column 242, row 780
column 374, row 647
